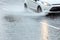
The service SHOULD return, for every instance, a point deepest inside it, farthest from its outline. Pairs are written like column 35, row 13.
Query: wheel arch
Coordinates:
column 39, row 7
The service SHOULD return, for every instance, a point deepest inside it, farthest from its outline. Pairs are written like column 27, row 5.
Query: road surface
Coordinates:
column 18, row 23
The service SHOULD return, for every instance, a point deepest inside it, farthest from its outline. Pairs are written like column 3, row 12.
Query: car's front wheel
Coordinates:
column 25, row 5
column 39, row 9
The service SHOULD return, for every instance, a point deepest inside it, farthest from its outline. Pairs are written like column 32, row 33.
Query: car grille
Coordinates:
column 55, row 9
column 55, row 4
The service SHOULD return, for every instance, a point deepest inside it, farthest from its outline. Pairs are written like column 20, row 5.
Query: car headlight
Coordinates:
column 46, row 4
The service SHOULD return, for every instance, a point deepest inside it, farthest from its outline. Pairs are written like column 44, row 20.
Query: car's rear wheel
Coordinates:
column 39, row 9
column 25, row 5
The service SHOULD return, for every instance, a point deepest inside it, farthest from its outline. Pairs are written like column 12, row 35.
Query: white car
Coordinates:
column 47, row 6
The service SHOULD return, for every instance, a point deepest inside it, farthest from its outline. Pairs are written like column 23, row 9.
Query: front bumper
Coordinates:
column 52, row 9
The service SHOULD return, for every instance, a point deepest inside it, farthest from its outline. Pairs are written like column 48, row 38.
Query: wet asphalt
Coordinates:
column 16, row 23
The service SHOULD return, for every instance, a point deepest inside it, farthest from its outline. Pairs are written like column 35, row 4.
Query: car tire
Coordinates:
column 39, row 9
column 25, row 5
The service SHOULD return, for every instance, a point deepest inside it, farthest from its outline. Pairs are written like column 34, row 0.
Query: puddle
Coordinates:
column 11, row 18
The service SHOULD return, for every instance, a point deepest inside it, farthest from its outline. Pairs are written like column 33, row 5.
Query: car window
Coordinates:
column 36, row 0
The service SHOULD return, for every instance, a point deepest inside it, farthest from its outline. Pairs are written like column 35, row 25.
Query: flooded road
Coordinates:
column 18, row 23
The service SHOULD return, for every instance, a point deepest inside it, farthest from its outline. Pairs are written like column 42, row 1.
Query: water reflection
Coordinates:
column 53, row 15
column 44, row 30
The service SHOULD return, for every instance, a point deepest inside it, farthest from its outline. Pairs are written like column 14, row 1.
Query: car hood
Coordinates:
column 52, row 1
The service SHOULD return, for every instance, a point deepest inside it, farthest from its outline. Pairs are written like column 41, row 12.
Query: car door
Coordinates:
column 34, row 4
column 29, row 2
